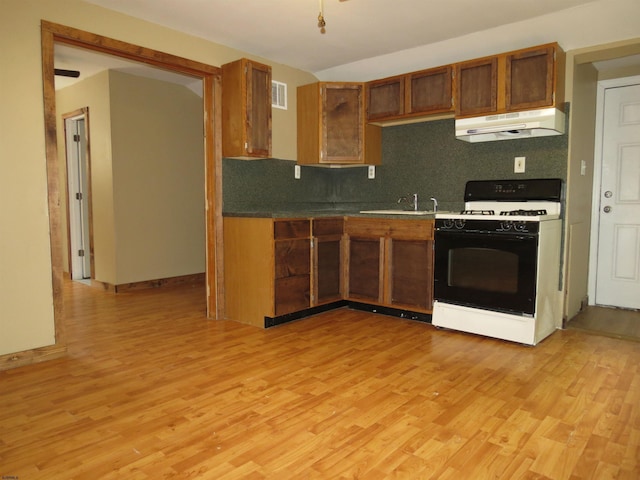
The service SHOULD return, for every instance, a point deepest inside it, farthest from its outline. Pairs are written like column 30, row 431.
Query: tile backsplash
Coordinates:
column 423, row 158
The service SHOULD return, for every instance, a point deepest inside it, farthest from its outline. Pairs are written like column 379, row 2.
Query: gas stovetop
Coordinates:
column 510, row 200
column 514, row 211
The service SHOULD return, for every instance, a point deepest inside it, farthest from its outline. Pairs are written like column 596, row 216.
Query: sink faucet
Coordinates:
column 435, row 204
column 411, row 199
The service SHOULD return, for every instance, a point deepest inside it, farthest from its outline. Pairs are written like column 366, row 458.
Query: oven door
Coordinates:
column 486, row 270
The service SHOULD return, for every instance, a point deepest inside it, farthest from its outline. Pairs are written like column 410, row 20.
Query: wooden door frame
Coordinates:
column 211, row 76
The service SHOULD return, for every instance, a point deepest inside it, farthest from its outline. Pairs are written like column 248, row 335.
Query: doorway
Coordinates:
column 615, row 250
column 79, row 235
column 211, row 77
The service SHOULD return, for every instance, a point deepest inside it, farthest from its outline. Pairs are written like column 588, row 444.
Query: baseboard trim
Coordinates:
column 29, row 357
column 194, row 279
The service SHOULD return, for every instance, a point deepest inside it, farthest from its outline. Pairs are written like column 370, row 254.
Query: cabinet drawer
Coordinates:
column 411, row 229
column 328, row 226
column 291, row 229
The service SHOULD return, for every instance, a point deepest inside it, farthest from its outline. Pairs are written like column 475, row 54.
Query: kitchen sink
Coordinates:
column 399, row 212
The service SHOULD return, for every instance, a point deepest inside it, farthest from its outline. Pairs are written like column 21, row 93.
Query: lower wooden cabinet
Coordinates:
column 411, row 273
column 267, row 268
column 277, row 267
column 390, row 262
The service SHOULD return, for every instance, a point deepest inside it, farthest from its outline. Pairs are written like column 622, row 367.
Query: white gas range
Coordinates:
column 497, row 263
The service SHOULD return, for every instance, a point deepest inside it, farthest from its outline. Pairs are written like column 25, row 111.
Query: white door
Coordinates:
column 618, row 262
column 76, row 145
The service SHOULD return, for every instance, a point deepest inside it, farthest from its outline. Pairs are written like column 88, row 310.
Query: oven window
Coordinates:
column 483, row 269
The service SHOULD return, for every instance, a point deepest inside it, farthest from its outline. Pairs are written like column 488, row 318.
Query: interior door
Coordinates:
column 78, row 198
column 618, row 262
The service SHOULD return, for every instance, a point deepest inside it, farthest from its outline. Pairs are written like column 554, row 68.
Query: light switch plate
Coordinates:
column 519, row 165
column 296, row 172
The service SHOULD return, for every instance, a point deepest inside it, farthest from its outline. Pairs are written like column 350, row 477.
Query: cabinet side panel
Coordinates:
column 248, row 269
column 308, row 122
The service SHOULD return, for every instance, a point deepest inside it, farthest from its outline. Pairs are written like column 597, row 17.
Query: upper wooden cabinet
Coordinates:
column 413, row 94
column 430, row 91
column 386, row 98
column 246, row 109
column 477, row 87
column 332, row 129
column 532, row 78
column 519, row 80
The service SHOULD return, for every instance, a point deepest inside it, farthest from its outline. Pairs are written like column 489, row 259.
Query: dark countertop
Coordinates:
column 324, row 213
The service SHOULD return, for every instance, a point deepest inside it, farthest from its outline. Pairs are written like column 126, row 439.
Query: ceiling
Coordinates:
column 286, row 31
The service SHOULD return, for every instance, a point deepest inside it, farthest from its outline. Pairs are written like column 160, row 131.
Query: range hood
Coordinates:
column 509, row 126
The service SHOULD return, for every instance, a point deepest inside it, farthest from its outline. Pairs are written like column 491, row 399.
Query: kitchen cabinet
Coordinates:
column 524, row 79
column 385, row 98
column 292, row 265
column 267, row 267
column 246, row 109
column 415, row 94
column 332, row 129
column 534, row 78
column 477, row 87
column 390, row 262
column 430, row 91
column 327, row 261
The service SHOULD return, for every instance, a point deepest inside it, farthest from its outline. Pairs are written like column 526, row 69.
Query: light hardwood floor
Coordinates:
column 151, row 390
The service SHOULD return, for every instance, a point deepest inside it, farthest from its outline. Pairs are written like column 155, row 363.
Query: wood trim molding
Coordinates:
column 52, row 33
column 195, row 279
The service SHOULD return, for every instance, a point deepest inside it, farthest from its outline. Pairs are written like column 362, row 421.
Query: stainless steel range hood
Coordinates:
column 509, row 126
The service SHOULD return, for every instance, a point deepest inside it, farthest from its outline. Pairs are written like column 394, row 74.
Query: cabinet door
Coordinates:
column 364, row 269
column 292, row 275
column 246, row 109
column 292, row 265
column 530, row 79
column 327, row 234
column 385, row 98
column 477, row 87
column 258, row 109
column 411, row 274
column 431, row 90
column 342, row 123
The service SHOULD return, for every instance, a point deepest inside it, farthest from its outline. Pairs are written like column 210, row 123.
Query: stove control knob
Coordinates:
column 505, row 226
column 459, row 223
column 448, row 223
column 520, row 226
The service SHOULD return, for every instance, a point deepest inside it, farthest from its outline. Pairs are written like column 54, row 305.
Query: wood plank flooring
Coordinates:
column 151, row 390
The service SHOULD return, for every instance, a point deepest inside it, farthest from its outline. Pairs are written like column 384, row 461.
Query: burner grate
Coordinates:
column 477, row 212
column 525, row 213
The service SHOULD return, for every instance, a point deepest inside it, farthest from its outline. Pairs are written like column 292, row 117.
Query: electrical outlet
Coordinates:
column 371, row 172
column 518, row 164
column 296, row 172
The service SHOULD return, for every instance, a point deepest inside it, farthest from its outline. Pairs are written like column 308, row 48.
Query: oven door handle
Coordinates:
column 483, row 236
